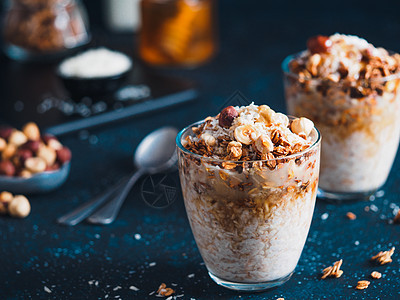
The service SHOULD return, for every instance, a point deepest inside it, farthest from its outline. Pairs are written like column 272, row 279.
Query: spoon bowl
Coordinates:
column 156, row 152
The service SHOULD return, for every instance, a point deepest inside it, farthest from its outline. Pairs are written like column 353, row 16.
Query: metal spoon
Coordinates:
column 155, row 153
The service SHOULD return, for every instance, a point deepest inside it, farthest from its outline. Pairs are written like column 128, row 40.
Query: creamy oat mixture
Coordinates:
column 250, row 217
column 350, row 90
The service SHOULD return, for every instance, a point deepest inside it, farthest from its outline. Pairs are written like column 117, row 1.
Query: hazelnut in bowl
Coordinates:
column 94, row 72
column 31, row 163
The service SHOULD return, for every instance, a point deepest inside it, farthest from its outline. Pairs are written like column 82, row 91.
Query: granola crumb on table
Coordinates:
column 362, row 284
column 164, row 291
column 384, row 257
column 376, row 275
column 351, row 216
column 333, row 271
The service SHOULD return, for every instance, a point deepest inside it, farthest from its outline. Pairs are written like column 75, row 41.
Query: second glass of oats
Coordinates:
column 249, row 179
column 351, row 91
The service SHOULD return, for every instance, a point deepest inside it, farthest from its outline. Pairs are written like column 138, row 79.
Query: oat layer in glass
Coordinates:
column 351, row 91
column 249, row 202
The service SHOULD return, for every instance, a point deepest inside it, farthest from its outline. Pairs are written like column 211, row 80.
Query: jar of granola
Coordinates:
column 351, row 91
column 249, row 180
column 41, row 30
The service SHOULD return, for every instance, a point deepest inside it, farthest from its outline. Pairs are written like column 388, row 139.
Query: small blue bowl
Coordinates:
column 39, row 183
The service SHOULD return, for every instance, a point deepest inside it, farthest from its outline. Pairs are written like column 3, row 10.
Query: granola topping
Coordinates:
column 351, row 60
column 333, row 271
column 250, row 133
column 383, row 257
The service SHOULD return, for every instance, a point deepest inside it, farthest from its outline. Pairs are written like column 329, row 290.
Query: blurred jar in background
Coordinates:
column 40, row 30
column 177, row 32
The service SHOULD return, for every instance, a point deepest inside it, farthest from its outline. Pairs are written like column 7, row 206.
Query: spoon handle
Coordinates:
column 109, row 211
column 83, row 211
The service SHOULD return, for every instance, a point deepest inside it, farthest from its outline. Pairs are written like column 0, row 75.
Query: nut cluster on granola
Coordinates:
column 250, row 133
column 26, row 152
column 347, row 59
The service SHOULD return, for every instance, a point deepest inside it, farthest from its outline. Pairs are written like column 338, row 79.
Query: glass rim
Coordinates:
column 218, row 160
column 289, row 58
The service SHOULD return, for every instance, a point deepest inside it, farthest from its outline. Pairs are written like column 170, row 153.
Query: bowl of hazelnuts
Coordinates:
column 31, row 162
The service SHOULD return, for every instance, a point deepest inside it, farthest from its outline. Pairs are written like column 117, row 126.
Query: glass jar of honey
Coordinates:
column 42, row 30
column 177, row 32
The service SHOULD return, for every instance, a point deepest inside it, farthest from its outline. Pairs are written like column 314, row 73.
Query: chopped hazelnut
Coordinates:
column 281, row 119
column 25, row 173
column 266, row 114
column 19, row 207
column 234, row 149
column 32, row 132
column 208, row 139
column 245, row 134
column 264, row 144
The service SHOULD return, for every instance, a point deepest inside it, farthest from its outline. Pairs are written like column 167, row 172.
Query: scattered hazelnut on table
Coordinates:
column 16, row 206
column 5, row 199
column 227, row 115
column 19, row 207
column 8, row 152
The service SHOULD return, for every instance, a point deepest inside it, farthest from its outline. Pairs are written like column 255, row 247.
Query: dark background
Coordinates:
column 255, row 36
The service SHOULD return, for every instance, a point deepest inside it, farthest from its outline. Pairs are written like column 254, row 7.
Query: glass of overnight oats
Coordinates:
column 350, row 90
column 249, row 179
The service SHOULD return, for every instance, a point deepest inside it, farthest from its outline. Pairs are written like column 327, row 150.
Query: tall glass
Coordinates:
column 360, row 132
column 250, row 219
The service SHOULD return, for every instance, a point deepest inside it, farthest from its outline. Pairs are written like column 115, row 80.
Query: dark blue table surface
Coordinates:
column 98, row 262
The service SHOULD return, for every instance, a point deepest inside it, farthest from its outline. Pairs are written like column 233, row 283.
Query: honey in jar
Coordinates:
column 177, row 32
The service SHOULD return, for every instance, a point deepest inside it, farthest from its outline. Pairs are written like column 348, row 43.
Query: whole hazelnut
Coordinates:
column 8, row 152
column 48, row 154
column 63, row 155
column 31, row 130
column 7, row 168
column 53, row 167
column 32, row 145
column 3, row 144
column 19, row 207
column 226, row 116
column 52, row 141
column 5, row 199
column 5, row 132
column 302, row 126
column 22, row 155
column 319, row 44
column 35, row 164
column 17, row 138
column 25, row 173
